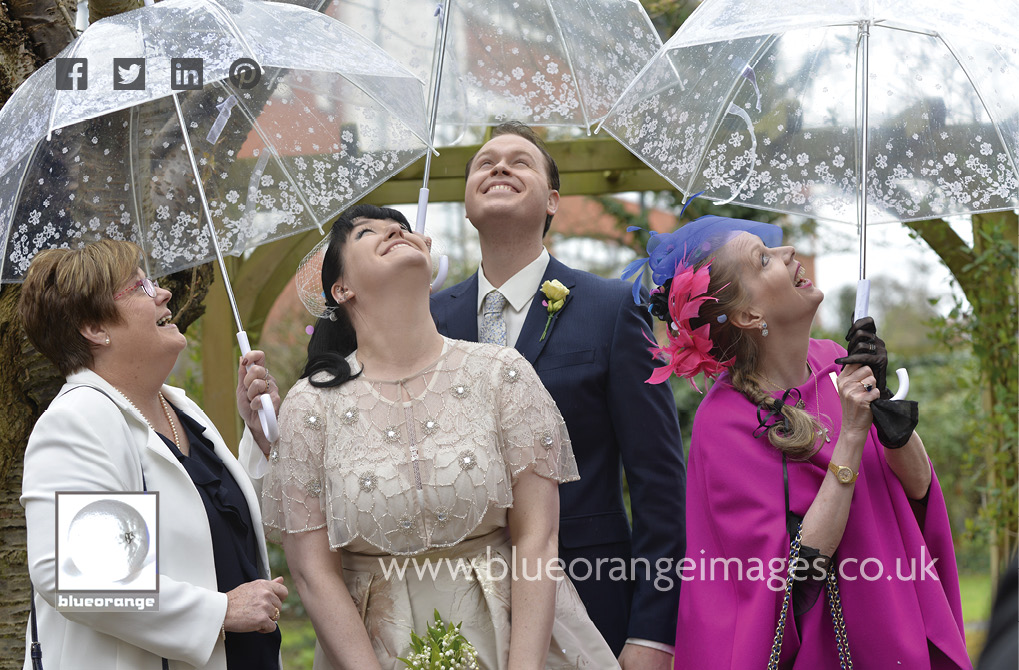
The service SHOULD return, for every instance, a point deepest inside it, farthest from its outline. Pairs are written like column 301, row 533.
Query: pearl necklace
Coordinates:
column 166, row 413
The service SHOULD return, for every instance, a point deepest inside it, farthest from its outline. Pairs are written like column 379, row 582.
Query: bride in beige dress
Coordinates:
column 416, row 473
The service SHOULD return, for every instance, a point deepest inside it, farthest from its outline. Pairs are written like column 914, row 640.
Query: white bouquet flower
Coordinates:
column 442, row 648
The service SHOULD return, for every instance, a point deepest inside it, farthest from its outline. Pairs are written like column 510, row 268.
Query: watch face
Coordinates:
column 845, row 475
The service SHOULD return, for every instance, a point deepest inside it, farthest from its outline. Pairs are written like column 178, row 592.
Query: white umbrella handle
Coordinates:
column 862, row 300
column 440, row 276
column 903, row 384
column 419, row 228
column 419, row 224
column 266, row 415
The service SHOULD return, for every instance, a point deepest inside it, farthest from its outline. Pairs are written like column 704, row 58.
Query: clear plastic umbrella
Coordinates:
column 784, row 106
column 330, row 117
column 542, row 62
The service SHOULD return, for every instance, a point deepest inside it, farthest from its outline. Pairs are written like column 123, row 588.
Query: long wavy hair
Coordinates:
column 334, row 338
column 796, row 436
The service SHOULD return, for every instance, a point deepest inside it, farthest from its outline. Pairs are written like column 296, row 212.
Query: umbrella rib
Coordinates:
column 662, row 53
column 722, row 110
column 142, row 232
column 269, row 146
column 980, row 97
column 208, row 215
column 138, row 209
column 225, row 17
column 569, row 62
column 56, row 93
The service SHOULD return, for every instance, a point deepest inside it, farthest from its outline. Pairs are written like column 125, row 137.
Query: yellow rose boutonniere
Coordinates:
column 556, row 294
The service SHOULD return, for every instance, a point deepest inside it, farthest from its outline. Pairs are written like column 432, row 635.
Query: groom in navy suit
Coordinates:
column 593, row 358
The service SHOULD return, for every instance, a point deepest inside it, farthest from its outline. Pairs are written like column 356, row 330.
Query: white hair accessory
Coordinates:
column 309, row 278
column 309, row 282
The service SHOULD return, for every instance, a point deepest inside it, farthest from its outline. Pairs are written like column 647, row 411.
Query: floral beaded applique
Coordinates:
column 467, row 459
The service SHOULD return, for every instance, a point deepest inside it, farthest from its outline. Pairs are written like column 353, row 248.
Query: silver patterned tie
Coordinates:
column 493, row 326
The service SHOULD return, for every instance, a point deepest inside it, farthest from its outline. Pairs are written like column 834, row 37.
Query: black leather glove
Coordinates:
column 895, row 420
column 866, row 348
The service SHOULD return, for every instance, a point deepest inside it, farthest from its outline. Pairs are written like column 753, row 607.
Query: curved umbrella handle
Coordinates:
column 440, row 276
column 266, row 415
column 903, row 384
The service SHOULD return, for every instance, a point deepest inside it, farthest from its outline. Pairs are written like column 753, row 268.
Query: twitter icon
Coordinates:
column 128, row 74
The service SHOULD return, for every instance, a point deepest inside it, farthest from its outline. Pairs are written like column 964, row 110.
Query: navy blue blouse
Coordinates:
column 234, row 540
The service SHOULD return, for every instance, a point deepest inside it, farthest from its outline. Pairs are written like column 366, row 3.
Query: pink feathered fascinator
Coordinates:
column 671, row 260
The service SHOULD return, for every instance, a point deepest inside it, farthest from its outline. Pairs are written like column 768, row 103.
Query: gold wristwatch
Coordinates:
column 843, row 473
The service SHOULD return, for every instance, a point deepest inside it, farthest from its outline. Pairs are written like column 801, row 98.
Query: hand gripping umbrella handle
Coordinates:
column 266, row 415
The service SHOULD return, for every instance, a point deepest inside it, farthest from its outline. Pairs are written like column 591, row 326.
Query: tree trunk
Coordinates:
column 986, row 272
column 32, row 32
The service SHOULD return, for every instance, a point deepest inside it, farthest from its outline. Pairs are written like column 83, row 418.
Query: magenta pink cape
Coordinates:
column 735, row 510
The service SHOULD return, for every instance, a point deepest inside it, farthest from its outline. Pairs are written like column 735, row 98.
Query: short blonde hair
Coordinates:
column 67, row 289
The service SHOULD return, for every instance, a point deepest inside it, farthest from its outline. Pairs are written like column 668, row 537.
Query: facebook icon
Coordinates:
column 72, row 74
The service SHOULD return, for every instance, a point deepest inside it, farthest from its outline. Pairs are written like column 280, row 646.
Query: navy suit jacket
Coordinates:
column 594, row 362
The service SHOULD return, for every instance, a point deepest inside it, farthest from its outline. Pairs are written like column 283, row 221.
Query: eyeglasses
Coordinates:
column 147, row 285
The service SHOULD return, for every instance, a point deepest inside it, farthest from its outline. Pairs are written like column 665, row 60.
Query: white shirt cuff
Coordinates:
column 250, row 456
column 660, row 646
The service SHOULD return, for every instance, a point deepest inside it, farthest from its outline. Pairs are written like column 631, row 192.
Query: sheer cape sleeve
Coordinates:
column 532, row 431
column 292, row 500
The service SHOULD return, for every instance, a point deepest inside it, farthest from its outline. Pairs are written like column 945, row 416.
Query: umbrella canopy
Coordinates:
column 331, row 117
column 785, row 106
column 317, row 118
column 543, row 62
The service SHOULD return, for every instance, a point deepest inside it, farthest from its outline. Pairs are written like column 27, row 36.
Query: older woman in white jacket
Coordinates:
column 115, row 426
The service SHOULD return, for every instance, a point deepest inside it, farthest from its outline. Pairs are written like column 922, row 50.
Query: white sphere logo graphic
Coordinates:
column 108, row 540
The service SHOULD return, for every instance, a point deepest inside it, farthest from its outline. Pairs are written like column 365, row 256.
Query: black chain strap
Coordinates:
column 845, row 659
column 776, row 645
column 832, row 586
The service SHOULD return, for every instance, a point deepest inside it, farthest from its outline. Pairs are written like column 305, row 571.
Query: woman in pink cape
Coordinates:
column 788, row 467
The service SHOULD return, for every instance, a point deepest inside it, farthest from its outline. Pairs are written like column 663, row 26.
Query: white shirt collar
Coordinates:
column 518, row 289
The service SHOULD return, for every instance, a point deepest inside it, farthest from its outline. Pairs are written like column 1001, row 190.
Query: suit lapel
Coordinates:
column 461, row 313
column 530, row 344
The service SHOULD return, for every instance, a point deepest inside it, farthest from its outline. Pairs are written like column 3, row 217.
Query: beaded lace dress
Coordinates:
column 420, row 472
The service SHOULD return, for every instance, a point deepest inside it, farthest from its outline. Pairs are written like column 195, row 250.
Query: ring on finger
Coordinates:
column 867, row 387
column 266, row 371
column 276, row 615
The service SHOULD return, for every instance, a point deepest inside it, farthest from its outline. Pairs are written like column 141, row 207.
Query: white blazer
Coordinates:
column 85, row 441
